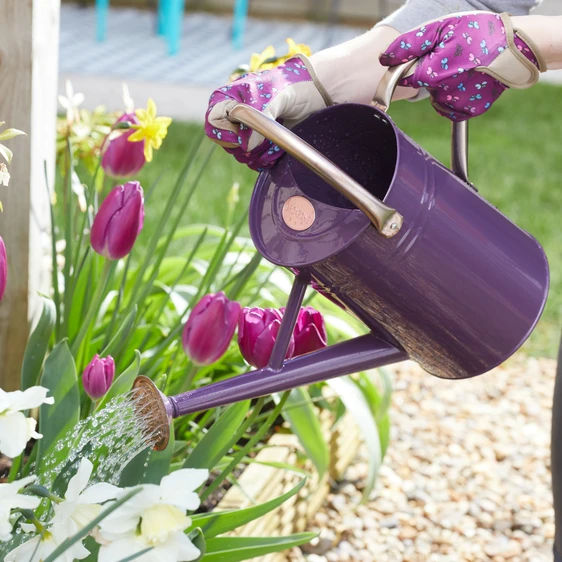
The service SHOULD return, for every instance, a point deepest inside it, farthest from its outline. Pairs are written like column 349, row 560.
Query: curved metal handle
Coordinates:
column 459, row 133
column 385, row 219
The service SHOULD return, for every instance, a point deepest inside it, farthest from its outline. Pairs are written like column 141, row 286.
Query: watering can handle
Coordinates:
column 459, row 137
column 385, row 219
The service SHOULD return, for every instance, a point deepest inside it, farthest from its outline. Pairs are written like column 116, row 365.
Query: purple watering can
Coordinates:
column 361, row 213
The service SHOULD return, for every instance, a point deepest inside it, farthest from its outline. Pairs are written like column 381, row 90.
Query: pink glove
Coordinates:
column 466, row 61
column 288, row 93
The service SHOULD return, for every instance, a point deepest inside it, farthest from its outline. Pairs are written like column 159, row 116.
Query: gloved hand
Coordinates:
column 288, row 93
column 466, row 61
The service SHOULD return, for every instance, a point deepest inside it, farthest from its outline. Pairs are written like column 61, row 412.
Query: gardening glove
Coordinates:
column 287, row 93
column 466, row 61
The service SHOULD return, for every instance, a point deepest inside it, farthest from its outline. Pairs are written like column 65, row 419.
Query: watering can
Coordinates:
column 362, row 214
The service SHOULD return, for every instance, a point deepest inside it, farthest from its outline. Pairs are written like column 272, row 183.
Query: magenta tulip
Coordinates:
column 210, row 328
column 257, row 331
column 118, row 221
column 122, row 158
column 3, row 268
column 98, row 376
column 310, row 331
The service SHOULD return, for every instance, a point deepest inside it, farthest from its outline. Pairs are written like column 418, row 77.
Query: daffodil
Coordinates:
column 150, row 129
column 15, row 429
column 154, row 519
column 10, row 498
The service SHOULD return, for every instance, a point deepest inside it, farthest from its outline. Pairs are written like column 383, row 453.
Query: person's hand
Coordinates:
column 466, row 61
column 288, row 93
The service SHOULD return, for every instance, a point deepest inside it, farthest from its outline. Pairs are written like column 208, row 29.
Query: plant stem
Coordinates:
column 94, row 306
column 243, row 452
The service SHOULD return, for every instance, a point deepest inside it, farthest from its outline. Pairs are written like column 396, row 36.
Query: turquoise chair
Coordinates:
column 170, row 21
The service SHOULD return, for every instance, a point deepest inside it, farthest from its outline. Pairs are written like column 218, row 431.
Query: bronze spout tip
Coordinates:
column 149, row 406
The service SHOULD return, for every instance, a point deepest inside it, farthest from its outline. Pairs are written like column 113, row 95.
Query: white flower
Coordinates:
column 81, row 505
column 155, row 518
column 15, row 429
column 71, row 102
column 79, row 508
column 10, row 499
column 4, row 175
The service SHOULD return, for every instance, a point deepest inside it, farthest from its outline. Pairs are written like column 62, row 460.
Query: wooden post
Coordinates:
column 29, row 42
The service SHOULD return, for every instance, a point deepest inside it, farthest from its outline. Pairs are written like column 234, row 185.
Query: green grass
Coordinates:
column 515, row 161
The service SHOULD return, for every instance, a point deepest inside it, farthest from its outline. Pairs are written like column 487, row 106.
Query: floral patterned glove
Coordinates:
column 467, row 61
column 288, row 93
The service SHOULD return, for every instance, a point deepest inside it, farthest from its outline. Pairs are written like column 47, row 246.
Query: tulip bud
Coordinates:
column 122, row 158
column 3, row 268
column 118, row 221
column 210, row 328
column 257, row 331
column 310, row 331
column 98, row 376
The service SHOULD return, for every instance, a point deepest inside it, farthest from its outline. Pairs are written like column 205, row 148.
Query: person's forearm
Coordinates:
column 353, row 69
column 546, row 33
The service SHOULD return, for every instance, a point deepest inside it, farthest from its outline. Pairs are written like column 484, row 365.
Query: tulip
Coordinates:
column 118, row 221
column 210, row 328
column 123, row 158
column 257, row 331
column 3, row 268
column 98, row 376
column 310, row 331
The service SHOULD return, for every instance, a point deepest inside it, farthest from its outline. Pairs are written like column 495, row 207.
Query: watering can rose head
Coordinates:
column 98, row 376
column 122, row 158
column 210, row 328
column 3, row 268
column 310, row 331
column 118, row 221
column 257, row 331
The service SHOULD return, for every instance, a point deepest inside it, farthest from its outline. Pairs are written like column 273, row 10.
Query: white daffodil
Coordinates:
column 11, row 499
column 80, row 507
column 155, row 518
column 82, row 504
column 15, row 429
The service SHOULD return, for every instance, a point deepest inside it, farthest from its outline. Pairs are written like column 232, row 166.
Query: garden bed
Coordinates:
column 259, row 482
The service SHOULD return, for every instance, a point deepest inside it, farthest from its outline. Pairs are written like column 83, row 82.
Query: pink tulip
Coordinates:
column 122, row 158
column 3, row 268
column 310, row 331
column 118, row 221
column 257, row 331
column 98, row 376
column 210, row 328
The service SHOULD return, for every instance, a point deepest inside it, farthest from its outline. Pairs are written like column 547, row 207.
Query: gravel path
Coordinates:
column 466, row 477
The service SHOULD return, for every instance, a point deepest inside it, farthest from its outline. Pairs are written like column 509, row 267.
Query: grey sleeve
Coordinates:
column 416, row 12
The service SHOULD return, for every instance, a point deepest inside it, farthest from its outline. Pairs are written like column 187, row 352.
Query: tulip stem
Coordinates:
column 94, row 306
column 188, row 381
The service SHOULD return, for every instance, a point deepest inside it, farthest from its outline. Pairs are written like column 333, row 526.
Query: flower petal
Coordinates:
column 14, row 433
column 80, row 480
column 178, row 488
column 31, row 398
column 99, row 493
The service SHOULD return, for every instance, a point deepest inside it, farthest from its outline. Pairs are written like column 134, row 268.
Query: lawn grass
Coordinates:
column 515, row 161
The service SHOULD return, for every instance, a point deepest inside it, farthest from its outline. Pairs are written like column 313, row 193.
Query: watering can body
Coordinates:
column 361, row 213
column 459, row 288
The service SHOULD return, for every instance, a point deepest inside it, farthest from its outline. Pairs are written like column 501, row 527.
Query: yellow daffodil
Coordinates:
column 150, row 129
column 268, row 59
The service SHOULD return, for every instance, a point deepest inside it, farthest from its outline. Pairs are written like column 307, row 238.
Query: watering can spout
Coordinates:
column 352, row 356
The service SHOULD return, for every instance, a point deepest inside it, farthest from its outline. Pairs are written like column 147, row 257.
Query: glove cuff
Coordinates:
column 310, row 68
column 513, row 67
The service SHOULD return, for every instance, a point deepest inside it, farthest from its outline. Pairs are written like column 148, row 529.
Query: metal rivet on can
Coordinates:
column 393, row 226
column 298, row 213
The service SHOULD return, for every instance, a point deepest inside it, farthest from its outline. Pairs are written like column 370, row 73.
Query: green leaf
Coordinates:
column 10, row 134
column 233, row 549
column 384, row 433
column 214, row 524
column 6, row 153
column 114, row 346
column 37, row 345
column 148, row 467
column 59, row 376
column 360, row 410
column 198, row 539
column 303, row 418
column 124, row 382
column 85, row 531
column 218, row 440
